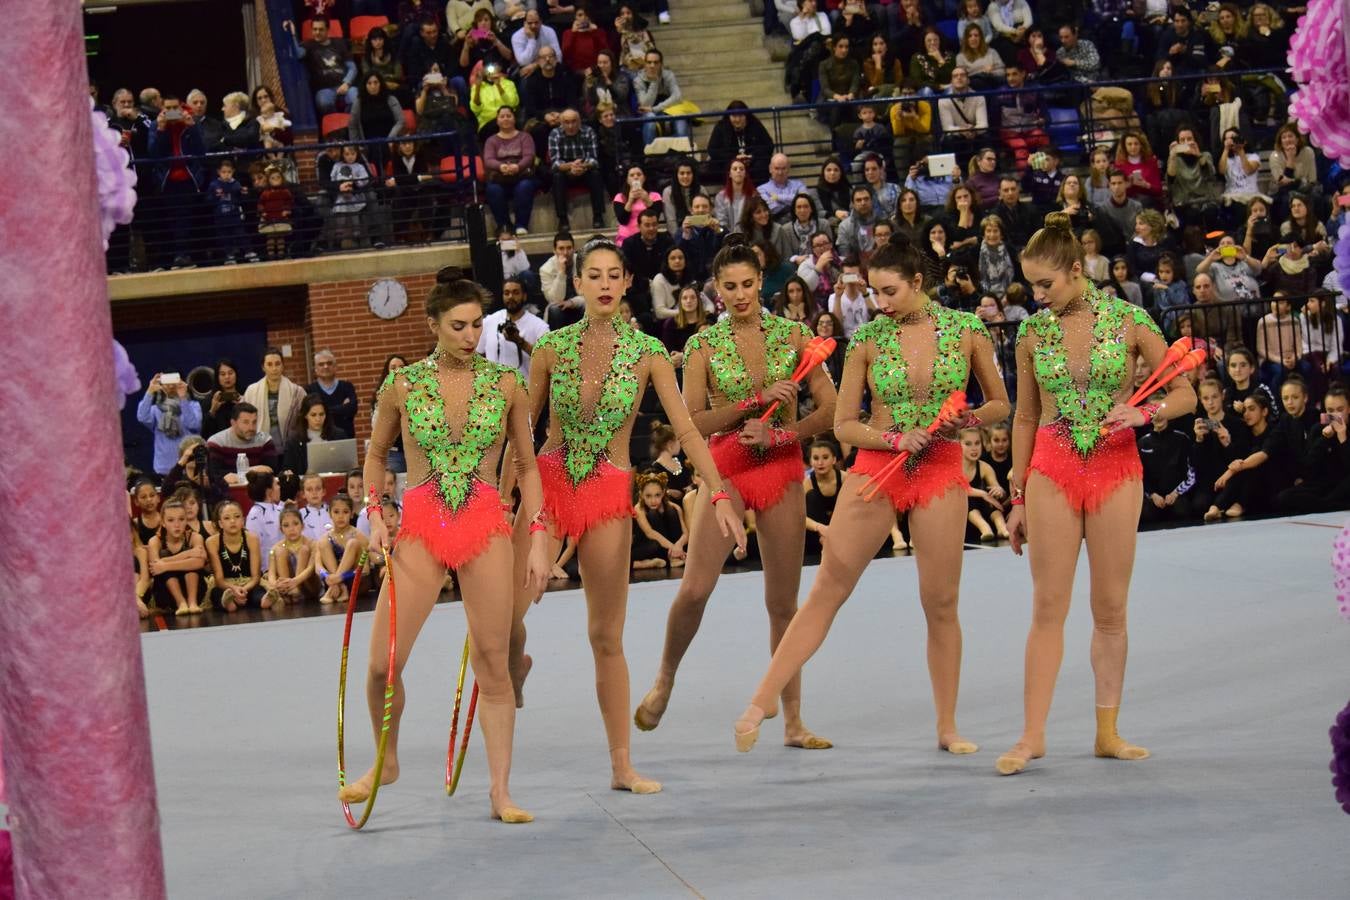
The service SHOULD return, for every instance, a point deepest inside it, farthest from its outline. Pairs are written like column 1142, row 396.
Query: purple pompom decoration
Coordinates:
column 124, row 373
column 1340, row 758
column 116, row 181
column 1341, row 262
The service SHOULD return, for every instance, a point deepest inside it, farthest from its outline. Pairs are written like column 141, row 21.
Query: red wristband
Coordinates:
column 781, row 436
column 1150, row 411
column 753, row 402
column 719, row 496
column 894, row 438
column 536, row 527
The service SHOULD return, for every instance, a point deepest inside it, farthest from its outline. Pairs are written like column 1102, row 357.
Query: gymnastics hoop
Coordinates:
column 454, row 765
column 383, row 744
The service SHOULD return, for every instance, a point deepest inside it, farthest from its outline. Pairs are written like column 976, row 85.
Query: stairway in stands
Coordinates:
column 716, row 50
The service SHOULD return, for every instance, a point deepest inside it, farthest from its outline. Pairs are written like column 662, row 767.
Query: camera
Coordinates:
column 491, row 69
column 511, row 330
column 173, row 115
column 962, row 273
column 199, row 457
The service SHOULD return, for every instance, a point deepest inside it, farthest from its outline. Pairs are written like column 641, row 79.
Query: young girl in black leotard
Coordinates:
column 660, row 536
column 822, row 492
column 236, row 561
column 175, row 561
column 985, row 497
column 147, row 523
column 998, row 454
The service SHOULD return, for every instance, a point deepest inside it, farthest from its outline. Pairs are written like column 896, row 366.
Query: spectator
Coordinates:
column 1011, row 21
column 332, row 74
column 1258, row 234
column 508, row 159
column 171, row 415
column 549, row 91
column 1019, row 219
column 1278, row 346
column 1044, row 181
column 932, row 69
column 1078, row 55
column 440, row 110
column 243, row 437
column 318, row 426
column 1192, row 181
column 338, row 396
column 1134, row 158
column 430, row 52
column 606, row 83
column 795, row 302
column 1129, row 288
column 852, row 302
column 1239, row 169
column 700, row 242
column 276, row 205
column 583, row 42
column 983, row 177
column 909, row 221
column 757, row 225
column 657, row 90
column 691, row 317
column 666, row 284
column 882, row 72
column 223, row 195
column 461, row 16
column 1095, row 266
column 781, row 189
column 379, row 60
column 1143, row 252
column 572, row 151
column 555, row 277
column 483, row 44
column 191, row 471
column 1325, row 467
column 808, row 21
column 529, row 39
column 885, row 195
column 176, row 134
column 276, row 400
column 630, row 203
column 150, row 102
column 510, row 333
column 1303, row 228
column 827, row 324
column 820, row 269
column 777, row 271
column 646, row 255
column 350, row 188
column 132, row 124
column 1168, row 476
column 210, row 127
column 1323, row 341
column 1222, row 326
column 634, row 39
column 239, row 130
column 740, row 135
column 376, row 113
column 840, row 78
column 1288, row 268
column 1097, row 183
column 982, row 64
column 616, row 151
column 855, row 232
column 492, row 92
column 216, row 415
column 964, row 116
column 274, row 129
column 677, row 196
column 1190, row 50
column 959, row 290
column 806, row 222
column 932, row 191
column 1251, row 483
column 1169, row 291
column 1020, row 117
column 908, row 23
column 911, row 126
column 995, row 262
column 1234, row 271
column 971, row 12
column 834, row 195
column 1117, row 216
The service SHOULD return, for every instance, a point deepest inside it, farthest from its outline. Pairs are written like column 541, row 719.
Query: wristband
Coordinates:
column 778, row 437
column 719, row 496
column 536, row 527
column 894, row 438
column 753, row 402
column 1150, row 411
column 1018, row 498
column 374, row 508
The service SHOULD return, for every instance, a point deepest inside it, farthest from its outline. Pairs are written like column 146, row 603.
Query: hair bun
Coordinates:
column 1059, row 221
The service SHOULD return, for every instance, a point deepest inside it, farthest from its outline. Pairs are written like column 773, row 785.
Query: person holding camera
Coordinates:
column 1324, row 485
column 170, row 414
column 582, row 43
column 216, row 412
column 1239, row 169
column 510, row 333
column 959, row 290
column 192, row 469
column 490, row 92
column 483, row 45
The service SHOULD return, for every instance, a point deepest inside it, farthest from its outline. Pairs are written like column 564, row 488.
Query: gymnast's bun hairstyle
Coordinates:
column 736, row 254
column 595, row 245
column 899, row 256
column 1055, row 245
column 451, row 291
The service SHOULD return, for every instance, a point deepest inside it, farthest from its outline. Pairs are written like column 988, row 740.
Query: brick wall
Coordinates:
column 283, row 309
column 340, row 319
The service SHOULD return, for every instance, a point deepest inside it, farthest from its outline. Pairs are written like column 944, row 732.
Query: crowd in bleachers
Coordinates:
column 1194, row 199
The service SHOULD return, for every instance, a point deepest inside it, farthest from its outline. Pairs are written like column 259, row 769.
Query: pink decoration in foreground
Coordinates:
column 1318, row 54
column 80, row 778
column 116, row 182
column 1340, row 564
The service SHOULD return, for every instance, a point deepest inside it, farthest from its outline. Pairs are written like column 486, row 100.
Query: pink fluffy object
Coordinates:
column 1319, row 58
column 1340, row 564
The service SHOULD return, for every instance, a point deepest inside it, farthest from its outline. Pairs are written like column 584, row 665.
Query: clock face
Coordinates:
column 387, row 298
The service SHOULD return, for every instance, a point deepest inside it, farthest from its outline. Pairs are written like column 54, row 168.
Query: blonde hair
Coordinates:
column 1239, row 25
column 238, row 98
column 992, row 219
column 1145, row 150
column 1055, row 244
column 1275, row 21
column 1157, row 225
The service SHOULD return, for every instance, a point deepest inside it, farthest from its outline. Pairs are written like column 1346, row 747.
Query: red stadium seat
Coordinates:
column 307, row 29
column 335, row 122
column 409, row 121
column 451, row 167
column 364, row 25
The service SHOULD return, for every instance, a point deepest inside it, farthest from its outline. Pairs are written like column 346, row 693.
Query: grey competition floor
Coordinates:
column 1238, row 666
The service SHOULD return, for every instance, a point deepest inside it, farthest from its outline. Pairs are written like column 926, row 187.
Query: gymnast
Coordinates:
column 733, row 371
column 1076, row 474
column 454, row 411
column 912, row 359
column 592, row 375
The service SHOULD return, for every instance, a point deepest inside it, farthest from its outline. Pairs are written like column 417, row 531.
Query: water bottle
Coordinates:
column 241, row 466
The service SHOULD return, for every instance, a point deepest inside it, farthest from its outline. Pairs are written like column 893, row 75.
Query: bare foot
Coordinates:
column 195, row 610
column 558, row 573
column 182, row 610
column 952, row 742
column 359, row 791
column 503, row 810
column 652, row 707
column 630, row 780
column 798, row 735
column 518, row 682
column 1016, row 759
column 229, row 604
column 1234, row 511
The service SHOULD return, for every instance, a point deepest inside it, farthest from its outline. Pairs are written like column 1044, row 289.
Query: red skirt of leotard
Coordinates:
column 759, row 476
column 922, row 479
column 455, row 537
column 1086, row 481
column 574, row 509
